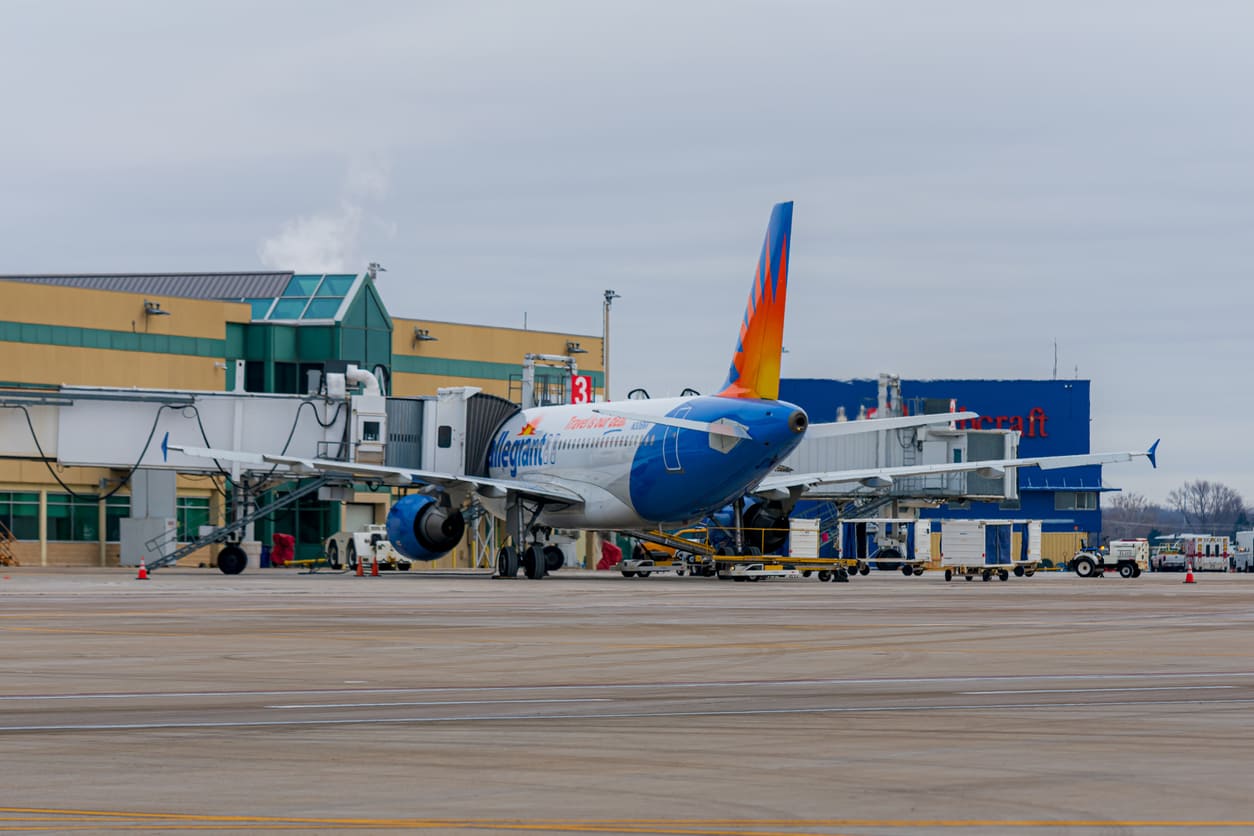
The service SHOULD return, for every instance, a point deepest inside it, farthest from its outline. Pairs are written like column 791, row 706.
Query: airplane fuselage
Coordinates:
column 634, row 473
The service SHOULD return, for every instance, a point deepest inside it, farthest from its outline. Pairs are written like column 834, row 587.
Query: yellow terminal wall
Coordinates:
column 501, row 348
column 78, row 308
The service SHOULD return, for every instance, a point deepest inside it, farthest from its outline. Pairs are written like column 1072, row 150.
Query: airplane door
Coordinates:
column 670, row 444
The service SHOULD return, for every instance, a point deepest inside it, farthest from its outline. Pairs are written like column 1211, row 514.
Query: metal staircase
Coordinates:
column 7, row 555
column 219, row 535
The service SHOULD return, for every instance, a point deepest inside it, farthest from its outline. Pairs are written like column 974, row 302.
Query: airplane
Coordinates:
column 629, row 465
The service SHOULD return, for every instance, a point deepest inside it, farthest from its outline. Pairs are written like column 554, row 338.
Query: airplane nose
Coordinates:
column 798, row 421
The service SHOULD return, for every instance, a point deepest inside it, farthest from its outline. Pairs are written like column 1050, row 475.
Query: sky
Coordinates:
column 976, row 182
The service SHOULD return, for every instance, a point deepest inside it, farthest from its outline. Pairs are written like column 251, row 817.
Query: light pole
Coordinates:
column 610, row 296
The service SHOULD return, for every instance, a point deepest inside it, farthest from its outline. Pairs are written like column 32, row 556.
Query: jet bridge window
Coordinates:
column 370, row 431
column 443, row 435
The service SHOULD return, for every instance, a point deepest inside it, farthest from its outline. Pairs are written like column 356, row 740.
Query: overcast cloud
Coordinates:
column 973, row 180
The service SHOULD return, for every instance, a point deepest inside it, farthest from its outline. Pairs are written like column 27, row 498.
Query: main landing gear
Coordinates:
column 537, row 559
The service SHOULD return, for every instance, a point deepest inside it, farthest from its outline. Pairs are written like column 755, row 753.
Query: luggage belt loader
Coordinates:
column 691, row 551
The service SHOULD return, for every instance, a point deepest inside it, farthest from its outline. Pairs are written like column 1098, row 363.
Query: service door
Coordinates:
column 923, row 540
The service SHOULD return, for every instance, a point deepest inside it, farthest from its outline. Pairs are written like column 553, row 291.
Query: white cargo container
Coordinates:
column 986, row 548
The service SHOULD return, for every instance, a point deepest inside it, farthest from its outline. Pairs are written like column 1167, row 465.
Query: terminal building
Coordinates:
column 280, row 331
column 1051, row 416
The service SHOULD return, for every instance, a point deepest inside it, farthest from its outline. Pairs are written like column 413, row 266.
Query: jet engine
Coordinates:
column 768, row 515
column 423, row 527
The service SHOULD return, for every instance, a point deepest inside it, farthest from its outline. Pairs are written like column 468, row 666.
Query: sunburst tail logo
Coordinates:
column 755, row 365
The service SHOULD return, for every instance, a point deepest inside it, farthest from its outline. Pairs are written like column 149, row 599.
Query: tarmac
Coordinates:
column 589, row 703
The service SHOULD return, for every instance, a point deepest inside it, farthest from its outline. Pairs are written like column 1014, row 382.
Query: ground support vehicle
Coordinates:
column 642, row 567
column 889, row 542
column 1127, row 557
column 984, row 549
column 346, row 548
column 1204, row 552
column 685, row 552
column 758, row 571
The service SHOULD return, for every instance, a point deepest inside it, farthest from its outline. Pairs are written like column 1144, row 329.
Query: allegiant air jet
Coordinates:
column 635, row 465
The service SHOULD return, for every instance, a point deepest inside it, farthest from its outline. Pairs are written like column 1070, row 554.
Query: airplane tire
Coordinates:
column 507, row 563
column 232, row 560
column 553, row 558
column 533, row 563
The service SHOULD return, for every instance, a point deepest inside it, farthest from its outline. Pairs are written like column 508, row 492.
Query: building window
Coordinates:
column 117, row 508
column 254, row 376
column 73, row 519
column 19, row 513
column 193, row 512
column 1075, row 501
column 1009, row 505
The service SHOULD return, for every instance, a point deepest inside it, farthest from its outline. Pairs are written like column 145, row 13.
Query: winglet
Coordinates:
column 1152, row 453
column 755, row 365
column 165, row 448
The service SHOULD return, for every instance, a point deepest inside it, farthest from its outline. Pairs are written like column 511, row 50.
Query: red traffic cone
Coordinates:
column 374, row 566
column 143, row 571
column 1188, row 576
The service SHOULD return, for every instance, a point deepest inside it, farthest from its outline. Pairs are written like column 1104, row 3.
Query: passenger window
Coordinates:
column 444, row 436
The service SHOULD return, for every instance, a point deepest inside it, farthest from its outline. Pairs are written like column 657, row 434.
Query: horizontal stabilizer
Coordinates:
column 723, row 426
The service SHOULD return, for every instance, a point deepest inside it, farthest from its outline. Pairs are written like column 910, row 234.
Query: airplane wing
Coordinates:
column 883, row 476
column 875, row 424
column 399, row 476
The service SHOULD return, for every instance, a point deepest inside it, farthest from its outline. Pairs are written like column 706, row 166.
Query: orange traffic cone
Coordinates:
column 143, row 571
column 361, row 565
column 374, row 566
column 1188, row 576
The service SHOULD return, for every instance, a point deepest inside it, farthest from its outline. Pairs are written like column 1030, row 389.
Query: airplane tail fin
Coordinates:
column 755, row 365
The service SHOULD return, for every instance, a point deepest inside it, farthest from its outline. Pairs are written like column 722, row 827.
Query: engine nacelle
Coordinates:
column 423, row 527
column 772, row 517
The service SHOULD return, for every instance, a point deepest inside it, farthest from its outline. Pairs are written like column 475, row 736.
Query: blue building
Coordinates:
column 1052, row 417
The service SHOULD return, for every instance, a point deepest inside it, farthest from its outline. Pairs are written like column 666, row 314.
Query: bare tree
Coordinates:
column 1129, row 515
column 1210, row 507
